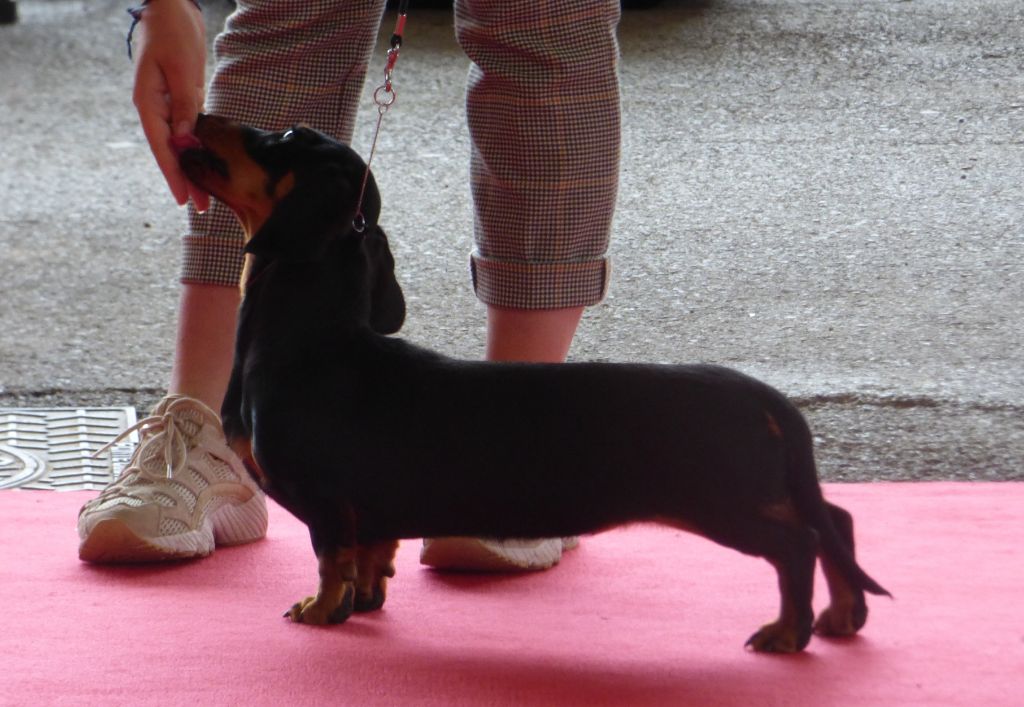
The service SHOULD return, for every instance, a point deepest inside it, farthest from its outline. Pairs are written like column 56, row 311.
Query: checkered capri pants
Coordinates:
column 543, row 113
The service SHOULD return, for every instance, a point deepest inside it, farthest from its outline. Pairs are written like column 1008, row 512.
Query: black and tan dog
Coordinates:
column 369, row 439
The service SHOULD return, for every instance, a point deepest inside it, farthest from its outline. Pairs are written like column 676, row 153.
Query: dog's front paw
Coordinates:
column 779, row 638
column 376, row 562
column 372, row 598
column 319, row 611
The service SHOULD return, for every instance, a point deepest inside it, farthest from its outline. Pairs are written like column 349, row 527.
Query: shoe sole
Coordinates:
column 240, row 523
column 481, row 555
column 112, row 541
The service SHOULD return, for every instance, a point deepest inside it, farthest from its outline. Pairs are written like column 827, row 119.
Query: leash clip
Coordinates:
column 384, row 96
column 396, row 43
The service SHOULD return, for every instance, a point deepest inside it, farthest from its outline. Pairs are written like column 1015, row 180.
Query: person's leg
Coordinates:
column 205, row 342
column 538, row 335
column 543, row 113
column 184, row 491
column 544, row 119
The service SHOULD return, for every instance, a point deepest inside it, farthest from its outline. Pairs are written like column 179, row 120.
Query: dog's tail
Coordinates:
column 810, row 503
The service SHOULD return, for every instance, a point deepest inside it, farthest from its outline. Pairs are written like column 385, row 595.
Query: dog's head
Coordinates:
column 296, row 193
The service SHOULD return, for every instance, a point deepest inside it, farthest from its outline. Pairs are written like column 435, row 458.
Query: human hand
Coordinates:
column 170, row 66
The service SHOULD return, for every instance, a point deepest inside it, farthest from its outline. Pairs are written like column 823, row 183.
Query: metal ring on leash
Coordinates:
column 388, row 99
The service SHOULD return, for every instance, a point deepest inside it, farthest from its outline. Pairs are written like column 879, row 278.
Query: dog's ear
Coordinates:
column 387, row 303
column 320, row 204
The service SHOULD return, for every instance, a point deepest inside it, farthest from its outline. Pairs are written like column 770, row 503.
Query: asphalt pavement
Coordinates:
column 827, row 195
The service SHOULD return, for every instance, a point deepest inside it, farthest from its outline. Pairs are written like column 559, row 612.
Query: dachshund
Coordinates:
column 369, row 439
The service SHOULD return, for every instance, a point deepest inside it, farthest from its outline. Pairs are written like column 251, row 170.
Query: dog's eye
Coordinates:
column 288, row 134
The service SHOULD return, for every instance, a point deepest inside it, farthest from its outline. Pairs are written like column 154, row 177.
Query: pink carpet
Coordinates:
column 639, row 616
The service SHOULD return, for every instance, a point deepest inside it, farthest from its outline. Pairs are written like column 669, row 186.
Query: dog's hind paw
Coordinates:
column 779, row 638
column 318, row 612
column 841, row 621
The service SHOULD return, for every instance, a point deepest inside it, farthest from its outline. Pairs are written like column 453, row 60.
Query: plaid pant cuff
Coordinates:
column 209, row 260
column 516, row 285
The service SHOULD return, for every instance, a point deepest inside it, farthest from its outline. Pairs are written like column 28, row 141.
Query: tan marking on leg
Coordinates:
column 335, row 596
column 242, row 446
column 783, row 635
column 847, row 610
column 375, row 564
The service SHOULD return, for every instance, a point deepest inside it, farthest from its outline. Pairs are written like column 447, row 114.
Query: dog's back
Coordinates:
column 432, row 446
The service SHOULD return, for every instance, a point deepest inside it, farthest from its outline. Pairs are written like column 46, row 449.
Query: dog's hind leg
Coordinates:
column 847, row 611
column 375, row 563
column 792, row 551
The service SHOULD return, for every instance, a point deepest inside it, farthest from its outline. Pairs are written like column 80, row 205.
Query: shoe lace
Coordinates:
column 175, row 441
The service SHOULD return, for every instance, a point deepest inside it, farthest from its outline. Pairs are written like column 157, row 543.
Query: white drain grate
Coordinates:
column 52, row 448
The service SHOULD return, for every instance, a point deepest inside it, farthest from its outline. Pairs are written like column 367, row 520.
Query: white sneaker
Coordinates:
column 183, row 493
column 493, row 555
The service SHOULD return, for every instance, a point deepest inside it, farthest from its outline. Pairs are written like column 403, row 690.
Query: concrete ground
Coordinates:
column 828, row 195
